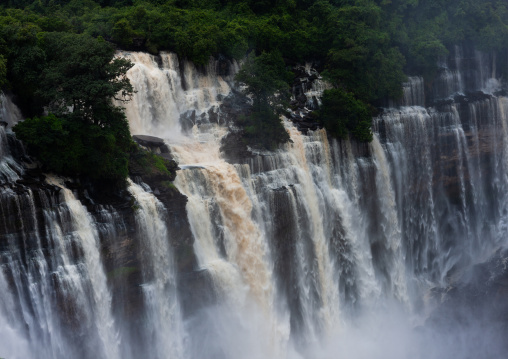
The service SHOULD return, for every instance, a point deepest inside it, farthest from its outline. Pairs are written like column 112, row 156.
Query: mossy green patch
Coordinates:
column 148, row 163
column 170, row 185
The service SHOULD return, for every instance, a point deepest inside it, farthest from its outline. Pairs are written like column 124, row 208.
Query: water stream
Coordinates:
column 321, row 249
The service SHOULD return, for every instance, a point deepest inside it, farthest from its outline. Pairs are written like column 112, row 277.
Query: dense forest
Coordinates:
column 57, row 56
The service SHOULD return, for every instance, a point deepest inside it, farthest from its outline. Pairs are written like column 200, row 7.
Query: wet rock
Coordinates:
column 187, row 121
column 233, row 106
column 155, row 144
column 304, row 102
column 234, row 149
column 161, row 183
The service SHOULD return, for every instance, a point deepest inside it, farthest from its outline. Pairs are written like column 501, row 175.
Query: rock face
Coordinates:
column 196, row 291
column 306, row 92
column 174, row 202
column 195, row 286
column 31, row 207
column 233, row 147
column 151, row 142
column 35, row 218
column 479, row 293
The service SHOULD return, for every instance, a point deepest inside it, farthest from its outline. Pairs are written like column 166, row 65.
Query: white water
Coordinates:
column 322, row 249
column 170, row 89
column 365, row 231
column 165, row 334
column 70, row 280
column 8, row 111
column 309, row 235
column 86, row 233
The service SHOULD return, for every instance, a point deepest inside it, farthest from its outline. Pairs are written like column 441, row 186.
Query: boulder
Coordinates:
column 154, row 144
column 148, row 141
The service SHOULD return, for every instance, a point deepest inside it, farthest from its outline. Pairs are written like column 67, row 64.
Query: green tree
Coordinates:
column 266, row 81
column 341, row 113
column 50, row 138
column 87, row 134
column 199, row 37
column 82, row 77
column 361, row 58
column 123, row 33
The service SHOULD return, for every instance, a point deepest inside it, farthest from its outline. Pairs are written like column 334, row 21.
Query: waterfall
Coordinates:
column 163, row 331
column 229, row 243
column 414, row 93
column 323, row 248
column 54, row 281
column 168, row 89
column 14, row 345
column 9, row 112
column 447, row 197
column 316, row 236
column 57, row 269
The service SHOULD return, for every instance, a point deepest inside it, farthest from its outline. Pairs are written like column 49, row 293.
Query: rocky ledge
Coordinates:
column 306, row 91
column 153, row 165
column 195, row 286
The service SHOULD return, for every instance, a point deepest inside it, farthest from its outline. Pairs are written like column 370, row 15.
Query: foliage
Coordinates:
column 365, row 46
column 76, row 78
column 50, row 139
column 300, row 29
column 342, row 113
column 71, row 147
column 266, row 81
column 170, row 185
column 265, row 78
column 150, row 163
column 81, row 73
column 263, row 129
column 158, row 163
column 361, row 58
column 3, row 71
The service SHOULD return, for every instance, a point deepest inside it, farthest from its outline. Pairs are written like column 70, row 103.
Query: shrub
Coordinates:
column 341, row 113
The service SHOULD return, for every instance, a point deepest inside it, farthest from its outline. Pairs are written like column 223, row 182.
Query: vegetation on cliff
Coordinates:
column 266, row 81
column 74, row 78
column 364, row 46
column 342, row 113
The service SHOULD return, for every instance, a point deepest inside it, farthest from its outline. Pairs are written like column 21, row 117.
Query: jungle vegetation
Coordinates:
column 365, row 48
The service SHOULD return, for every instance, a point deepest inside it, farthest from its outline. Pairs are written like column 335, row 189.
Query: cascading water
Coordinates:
column 56, row 300
column 331, row 233
column 321, row 249
column 162, row 333
column 56, row 268
column 9, row 113
column 167, row 89
column 9, row 168
column 230, row 244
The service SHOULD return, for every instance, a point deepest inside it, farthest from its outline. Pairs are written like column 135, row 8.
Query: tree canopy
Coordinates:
column 77, row 79
column 81, row 73
column 266, row 81
column 266, row 78
column 342, row 113
column 364, row 46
